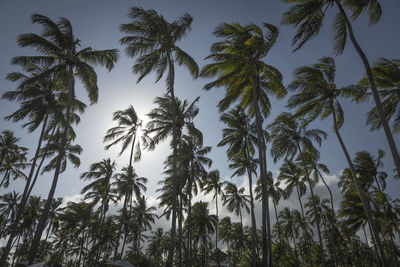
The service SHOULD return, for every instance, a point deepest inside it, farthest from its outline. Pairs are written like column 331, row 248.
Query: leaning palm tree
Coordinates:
column 153, row 40
column 287, row 134
column 59, row 47
column 212, row 183
column 125, row 132
column 307, row 16
column 239, row 68
column 318, row 97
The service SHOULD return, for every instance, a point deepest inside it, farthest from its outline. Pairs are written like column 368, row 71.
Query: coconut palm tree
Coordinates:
column 290, row 175
column 240, row 136
column 239, row 68
column 155, row 243
column 126, row 183
column 12, row 157
column 60, row 48
column 143, row 217
column 290, row 228
column 100, row 190
column 8, row 208
column 235, row 200
column 125, row 132
column 153, row 41
column 287, row 134
column 318, row 97
column 78, row 217
column 307, row 17
column 194, row 156
column 204, row 224
column 212, row 183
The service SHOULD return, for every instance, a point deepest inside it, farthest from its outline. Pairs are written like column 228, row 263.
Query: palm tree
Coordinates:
column 8, row 208
column 203, row 224
column 239, row 68
column 12, row 157
column 125, row 132
column 241, row 137
column 290, row 228
column 153, row 40
column 143, row 217
column 100, row 189
column 235, row 200
column 286, row 135
column 126, row 183
column 212, row 183
column 308, row 16
column 319, row 98
column 155, row 243
column 194, row 156
column 59, row 47
column 78, row 218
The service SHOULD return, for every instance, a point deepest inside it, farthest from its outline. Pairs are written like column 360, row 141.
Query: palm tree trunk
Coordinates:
column 39, row 167
column 43, row 218
column 189, row 221
column 266, row 233
column 253, row 218
column 216, row 227
column 364, row 202
column 314, row 204
column 120, row 229
column 81, row 248
column 171, row 77
column 333, row 218
column 375, row 93
column 24, row 198
column 277, row 221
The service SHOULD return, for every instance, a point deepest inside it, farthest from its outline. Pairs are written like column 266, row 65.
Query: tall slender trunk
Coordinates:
column 125, row 201
column 40, row 166
column 171, row 248
column 333, row 217
column 277, row 221
column 43, row 218
column 81, row 248
column 253, row 218
column 375, row 93
column 24, row 198
column 123, row 225
column 266, row 233
column 314, row 205
column 364, row 202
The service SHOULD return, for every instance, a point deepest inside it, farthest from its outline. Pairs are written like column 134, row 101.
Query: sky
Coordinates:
column 96, row 23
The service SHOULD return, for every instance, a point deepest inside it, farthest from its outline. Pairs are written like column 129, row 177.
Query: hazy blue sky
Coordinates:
column 96, row 23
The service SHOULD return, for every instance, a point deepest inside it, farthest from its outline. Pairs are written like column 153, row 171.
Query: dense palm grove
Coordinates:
column 362, row 231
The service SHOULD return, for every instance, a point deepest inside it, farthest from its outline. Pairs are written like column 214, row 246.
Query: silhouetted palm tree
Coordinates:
column 153, row 40
column 239, row 68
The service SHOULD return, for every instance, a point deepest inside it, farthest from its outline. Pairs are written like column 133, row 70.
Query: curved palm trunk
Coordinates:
column 43, row 218
column 266, row 229
column 364, row 202
column 314, row 205
column 333, row 217
column 379, row 107
column 24, row 198
column 189, row 219
column 171, row 76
